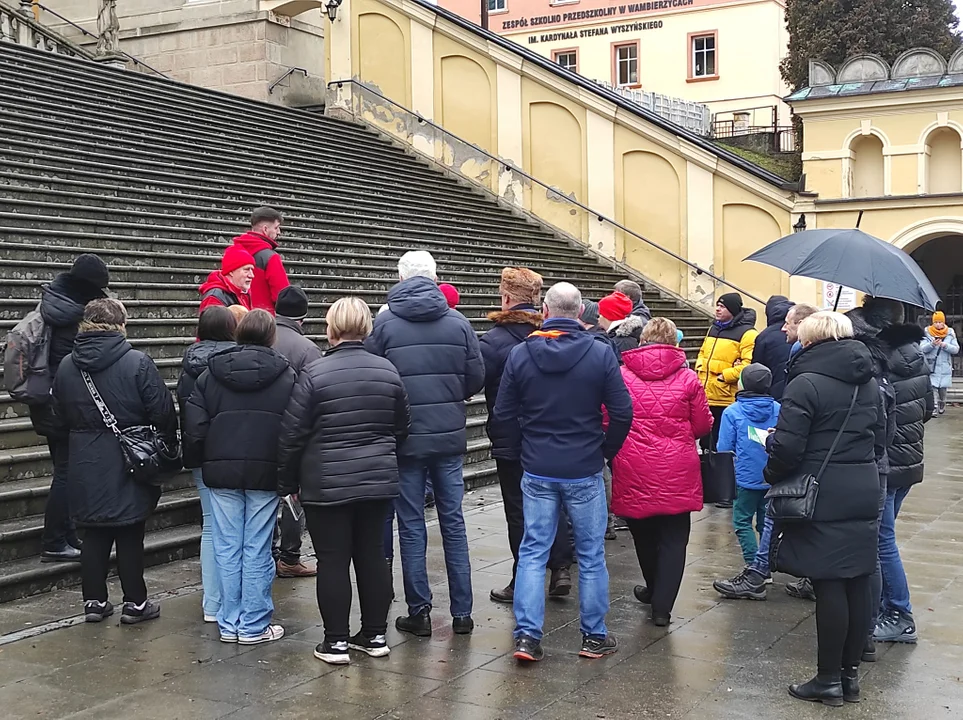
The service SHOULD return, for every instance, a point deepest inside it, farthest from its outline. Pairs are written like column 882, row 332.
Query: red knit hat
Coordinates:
column 235, row 257
column 615, row 306
column 451, row 294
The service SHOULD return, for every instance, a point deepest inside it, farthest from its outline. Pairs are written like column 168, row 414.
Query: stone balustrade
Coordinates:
column 18, row 26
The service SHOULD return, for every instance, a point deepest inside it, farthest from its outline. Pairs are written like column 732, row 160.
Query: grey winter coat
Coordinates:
column 939, row 360
column 298, row 350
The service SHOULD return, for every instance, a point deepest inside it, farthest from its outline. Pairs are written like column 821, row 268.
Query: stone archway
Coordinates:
column 941, row 257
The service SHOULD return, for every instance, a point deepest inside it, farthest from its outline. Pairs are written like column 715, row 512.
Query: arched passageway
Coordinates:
column 941, row 258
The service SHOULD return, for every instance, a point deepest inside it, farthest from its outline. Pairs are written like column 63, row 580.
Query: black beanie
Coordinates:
column 756, row 378
column 90, row 269
column 590, row 313
column 292, row 303
column 732, row 302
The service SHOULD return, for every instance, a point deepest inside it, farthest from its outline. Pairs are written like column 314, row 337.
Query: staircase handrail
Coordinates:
column 553, row 191
column 87, row 33
column 51, row 35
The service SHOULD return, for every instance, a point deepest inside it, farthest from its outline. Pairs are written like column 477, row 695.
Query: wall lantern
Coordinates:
column 332, row 9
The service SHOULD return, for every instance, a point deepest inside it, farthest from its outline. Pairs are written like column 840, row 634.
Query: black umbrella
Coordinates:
column 854, row 259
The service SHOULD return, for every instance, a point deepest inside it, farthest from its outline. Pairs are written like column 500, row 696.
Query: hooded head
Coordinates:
column 417, row 299
column 777, row 307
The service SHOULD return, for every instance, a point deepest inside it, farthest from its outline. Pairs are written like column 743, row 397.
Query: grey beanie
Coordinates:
column 590, row 312
column 755, row 377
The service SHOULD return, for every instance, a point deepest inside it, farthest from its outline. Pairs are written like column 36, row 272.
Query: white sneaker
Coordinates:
column 228, row 638
column 210, row 618
column 272, row 633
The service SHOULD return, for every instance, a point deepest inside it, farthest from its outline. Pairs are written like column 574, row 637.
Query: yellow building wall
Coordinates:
column 381, row 47
column 466, row 93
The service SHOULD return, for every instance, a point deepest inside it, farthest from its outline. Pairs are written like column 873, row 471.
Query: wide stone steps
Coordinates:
column 157, row 177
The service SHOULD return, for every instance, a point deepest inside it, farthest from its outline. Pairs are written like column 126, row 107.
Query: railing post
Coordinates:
column 25, row 31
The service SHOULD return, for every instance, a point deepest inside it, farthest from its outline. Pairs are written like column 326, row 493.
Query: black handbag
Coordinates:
column 718, row 476
column 795, row 499
column 148, row 457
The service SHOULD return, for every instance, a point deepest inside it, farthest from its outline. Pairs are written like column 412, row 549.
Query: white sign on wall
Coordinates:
column 847, row 297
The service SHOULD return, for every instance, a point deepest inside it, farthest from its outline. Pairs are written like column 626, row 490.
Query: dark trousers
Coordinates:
column 95, row 561
column 57, row 528
column 286, row 546
column 510, row 480
column 660, row 544
column 709, row 442
column 843, row 609
column 345, row 534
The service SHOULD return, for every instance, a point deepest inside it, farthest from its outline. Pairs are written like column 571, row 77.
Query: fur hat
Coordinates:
column 235, row 257
column 521, row 284
column 615, row 306
column 90, row 269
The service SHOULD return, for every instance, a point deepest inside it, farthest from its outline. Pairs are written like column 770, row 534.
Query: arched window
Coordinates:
column 867, row 166
column 944, row 164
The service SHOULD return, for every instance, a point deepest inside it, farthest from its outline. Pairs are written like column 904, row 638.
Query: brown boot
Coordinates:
column 295, row 571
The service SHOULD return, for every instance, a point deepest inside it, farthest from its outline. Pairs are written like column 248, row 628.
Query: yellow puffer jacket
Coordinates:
column 726, row 352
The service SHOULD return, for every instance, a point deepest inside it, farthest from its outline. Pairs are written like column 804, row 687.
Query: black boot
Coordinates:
column 850, row 680
column 825, row 688
column 418, row 625
column 869, row 649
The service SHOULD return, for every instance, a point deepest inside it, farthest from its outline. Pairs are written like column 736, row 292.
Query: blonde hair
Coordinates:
column 104, row 315
column 659, row 330
column 348, row 319
column 238, row 311
column 825, row 325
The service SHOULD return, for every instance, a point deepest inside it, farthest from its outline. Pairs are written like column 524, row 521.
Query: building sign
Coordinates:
column 847, row 297
column 595, row 14
column 592, row 32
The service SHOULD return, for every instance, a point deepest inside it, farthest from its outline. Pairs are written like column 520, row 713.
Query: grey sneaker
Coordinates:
column 747, row 585
column 802, row 589
column 898, row 627
column 597, row 647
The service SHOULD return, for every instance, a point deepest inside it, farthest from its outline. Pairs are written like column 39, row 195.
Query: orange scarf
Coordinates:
column 932, row 330
column 551, row 334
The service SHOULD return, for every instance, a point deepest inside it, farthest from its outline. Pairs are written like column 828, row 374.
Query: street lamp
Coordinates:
column 332, row 9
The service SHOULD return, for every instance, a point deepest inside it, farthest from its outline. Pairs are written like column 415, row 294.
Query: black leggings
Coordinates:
column 343, row 534
column 660, row 544
column 843, row 609
column 95, row 561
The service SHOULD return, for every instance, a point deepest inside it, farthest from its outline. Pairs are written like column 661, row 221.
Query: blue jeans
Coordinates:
column 584, row 502
column 449, row 488
column 212, row 589
column 896, row 595
column 243, row 528
column 761, row 562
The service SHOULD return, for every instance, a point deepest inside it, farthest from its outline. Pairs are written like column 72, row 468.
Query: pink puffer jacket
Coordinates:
column 657, row 470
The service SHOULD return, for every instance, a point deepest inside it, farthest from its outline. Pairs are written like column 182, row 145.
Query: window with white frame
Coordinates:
column 704, row 56
column 568, row 59
column 627, row 64
column 497, row 5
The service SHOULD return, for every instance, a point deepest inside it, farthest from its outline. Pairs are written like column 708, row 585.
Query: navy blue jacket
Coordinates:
column 511, row 328
column 436, row 353
column 556, row 384
column 772, row 347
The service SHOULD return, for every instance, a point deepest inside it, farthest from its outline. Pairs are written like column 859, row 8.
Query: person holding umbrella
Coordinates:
column 726, row 350
column 939, row 344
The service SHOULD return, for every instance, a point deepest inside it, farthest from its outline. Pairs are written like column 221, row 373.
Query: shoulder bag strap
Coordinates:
column 842, row 428
column 109, row 420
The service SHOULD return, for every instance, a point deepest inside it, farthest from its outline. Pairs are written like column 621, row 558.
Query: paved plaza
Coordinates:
column 718, row 659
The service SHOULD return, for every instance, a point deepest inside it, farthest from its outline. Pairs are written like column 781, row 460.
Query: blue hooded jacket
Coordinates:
column 556, row 383
column 749, row 410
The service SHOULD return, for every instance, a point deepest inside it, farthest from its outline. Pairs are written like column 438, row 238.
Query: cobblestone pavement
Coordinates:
column 718, row 659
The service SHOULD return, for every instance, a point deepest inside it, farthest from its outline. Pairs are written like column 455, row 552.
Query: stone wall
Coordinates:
column 227, row 45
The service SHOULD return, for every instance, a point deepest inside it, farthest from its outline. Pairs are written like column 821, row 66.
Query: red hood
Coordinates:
column 255, row 242
column 654, row 362
column 217, row 281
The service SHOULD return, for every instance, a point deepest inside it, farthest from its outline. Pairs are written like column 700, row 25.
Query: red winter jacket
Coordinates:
column 657, row 470
column 270, row 277
column 227, row 291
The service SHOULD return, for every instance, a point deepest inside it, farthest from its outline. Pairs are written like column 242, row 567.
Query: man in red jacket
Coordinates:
column 231, row 284
column 261, row 241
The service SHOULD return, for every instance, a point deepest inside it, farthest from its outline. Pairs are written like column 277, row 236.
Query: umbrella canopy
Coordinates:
column 852, row 258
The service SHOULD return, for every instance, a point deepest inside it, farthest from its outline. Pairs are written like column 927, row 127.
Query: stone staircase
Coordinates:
column 156, row 177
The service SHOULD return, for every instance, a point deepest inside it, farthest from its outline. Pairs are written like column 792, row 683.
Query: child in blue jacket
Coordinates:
column 743, row 430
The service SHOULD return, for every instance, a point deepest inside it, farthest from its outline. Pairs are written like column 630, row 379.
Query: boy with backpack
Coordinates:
column 33, row 353
column 744, row 428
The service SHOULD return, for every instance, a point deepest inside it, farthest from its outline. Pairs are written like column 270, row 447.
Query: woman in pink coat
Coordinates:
column 656, row 478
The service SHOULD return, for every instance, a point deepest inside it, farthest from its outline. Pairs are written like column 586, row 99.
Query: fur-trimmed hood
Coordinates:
column 516, row 316
column 630, row 327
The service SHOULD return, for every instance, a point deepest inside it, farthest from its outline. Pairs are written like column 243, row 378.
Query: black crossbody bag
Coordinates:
column 795, row 499
column 148, row 457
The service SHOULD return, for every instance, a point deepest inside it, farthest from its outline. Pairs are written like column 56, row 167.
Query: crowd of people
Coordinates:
column 595, row 419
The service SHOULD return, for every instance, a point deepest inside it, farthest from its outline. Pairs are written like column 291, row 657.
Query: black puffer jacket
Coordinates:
column 772, row 347
column 298, row 350
column 195, row 363
column 62, row 308
column 626, row 334
column 840, row 540
column 436, row 353
column 341, row 428
column 233, row 417
column 511, row 328
column 99, row 489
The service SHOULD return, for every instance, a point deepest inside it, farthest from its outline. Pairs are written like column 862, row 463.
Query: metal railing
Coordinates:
column 661, row 267
column 288, row 73
column 87, row 33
